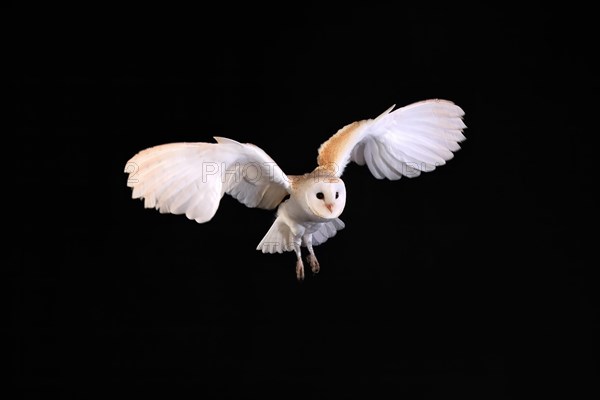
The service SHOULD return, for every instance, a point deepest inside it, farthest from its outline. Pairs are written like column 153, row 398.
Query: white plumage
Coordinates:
column 191, row 178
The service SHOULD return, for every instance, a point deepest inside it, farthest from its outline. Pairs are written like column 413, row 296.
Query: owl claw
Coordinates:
column 300, row 270
column 314, row 264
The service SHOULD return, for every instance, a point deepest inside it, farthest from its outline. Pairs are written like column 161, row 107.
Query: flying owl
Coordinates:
column 191, row 178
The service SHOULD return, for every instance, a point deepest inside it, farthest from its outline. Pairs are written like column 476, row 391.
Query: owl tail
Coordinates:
column 278, row 239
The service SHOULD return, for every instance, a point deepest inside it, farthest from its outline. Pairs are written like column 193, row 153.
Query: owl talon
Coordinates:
column 314, row 264
column 300, row 270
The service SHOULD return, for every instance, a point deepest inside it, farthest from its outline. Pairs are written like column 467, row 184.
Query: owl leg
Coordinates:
column 311, row 258
column 299, row 263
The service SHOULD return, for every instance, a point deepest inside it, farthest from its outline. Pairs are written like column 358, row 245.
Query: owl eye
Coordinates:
column 337, row 194
column 320, row 196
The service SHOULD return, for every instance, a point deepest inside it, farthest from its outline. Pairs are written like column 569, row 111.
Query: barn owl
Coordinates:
column 191, row 178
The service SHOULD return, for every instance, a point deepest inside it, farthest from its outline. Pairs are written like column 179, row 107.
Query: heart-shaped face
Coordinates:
column 326, row 198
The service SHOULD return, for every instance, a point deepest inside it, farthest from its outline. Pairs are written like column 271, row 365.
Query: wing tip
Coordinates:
column 224, row 140
column 386, row 112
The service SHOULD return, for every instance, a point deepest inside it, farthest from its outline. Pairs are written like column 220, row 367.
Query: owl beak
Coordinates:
column 329, row 207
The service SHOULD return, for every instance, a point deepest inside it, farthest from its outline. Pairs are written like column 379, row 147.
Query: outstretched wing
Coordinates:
column 191, row 178
column 403, row 142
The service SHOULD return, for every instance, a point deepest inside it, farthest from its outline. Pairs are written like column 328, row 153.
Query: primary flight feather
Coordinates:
column 191, row 178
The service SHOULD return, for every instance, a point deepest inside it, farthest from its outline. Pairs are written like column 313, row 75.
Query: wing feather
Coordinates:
column 327, row 230
column 392, row 165
column 372, row 158
column 191, row 178
column 404, row 142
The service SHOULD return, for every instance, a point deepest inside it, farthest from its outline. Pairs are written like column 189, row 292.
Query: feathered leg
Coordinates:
column 311, row 258
column 299, row 263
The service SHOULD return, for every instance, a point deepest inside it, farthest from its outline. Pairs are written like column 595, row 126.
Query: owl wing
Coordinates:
column 191, row 178
column 404, row 142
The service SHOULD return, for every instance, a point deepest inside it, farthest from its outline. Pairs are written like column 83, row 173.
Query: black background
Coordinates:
column 466, row 281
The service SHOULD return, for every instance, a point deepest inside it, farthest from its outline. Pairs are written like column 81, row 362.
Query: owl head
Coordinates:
column 325, row 197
